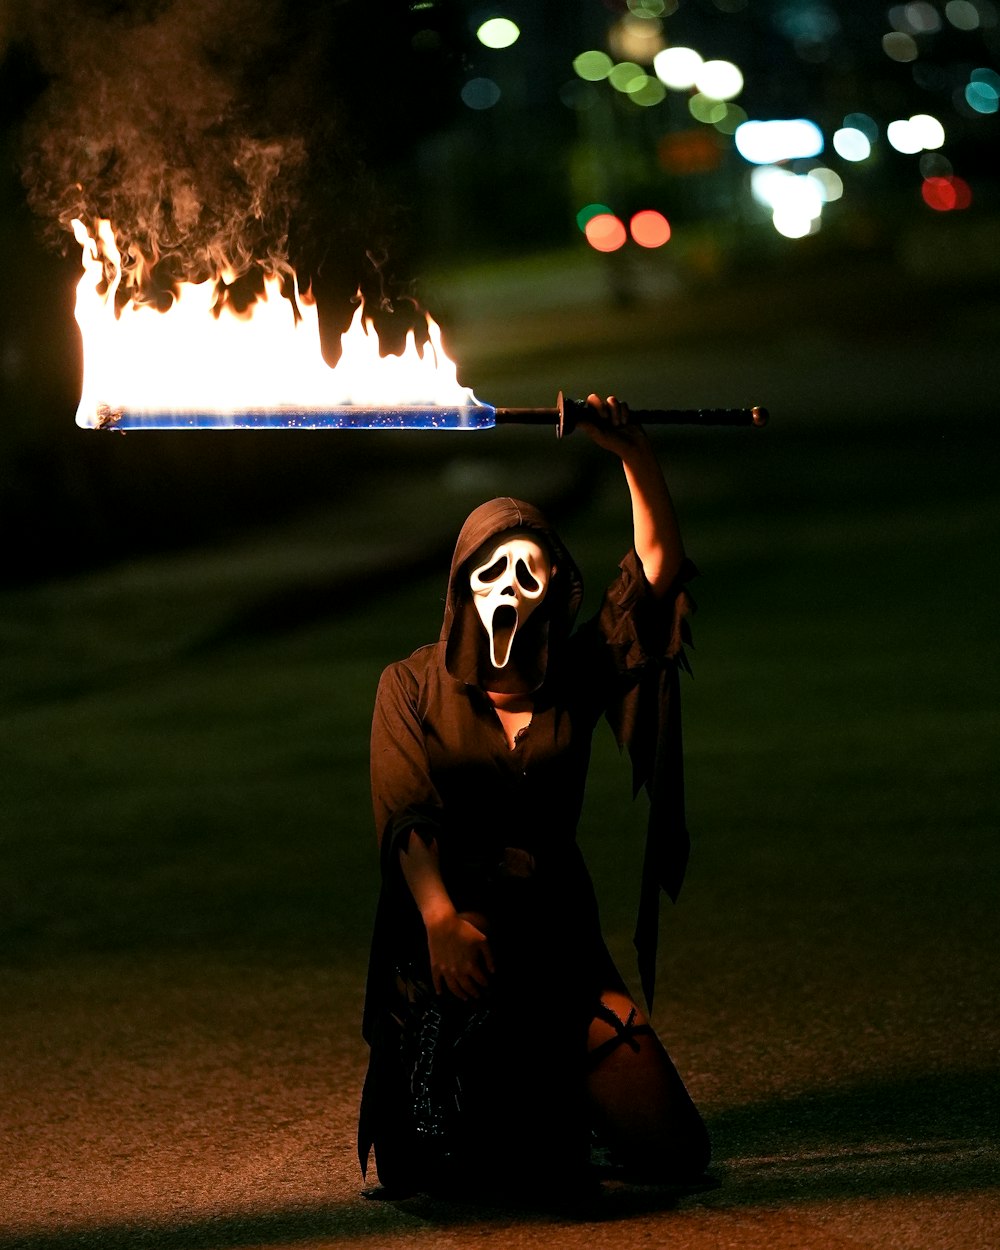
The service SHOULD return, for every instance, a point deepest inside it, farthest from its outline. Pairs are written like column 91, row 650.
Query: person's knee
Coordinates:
column 642, row 1106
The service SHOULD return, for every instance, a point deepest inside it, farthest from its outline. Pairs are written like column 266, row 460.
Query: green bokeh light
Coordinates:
column 649, row 93
column 498, row 32
column 588, row 211
column 627, row 77
column 704, row 109
column 593, row 66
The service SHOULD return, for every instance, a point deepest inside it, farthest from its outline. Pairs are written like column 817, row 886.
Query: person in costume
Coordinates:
column 503, row 1040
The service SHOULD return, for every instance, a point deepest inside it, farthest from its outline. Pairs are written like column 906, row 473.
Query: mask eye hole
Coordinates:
column 495, row 570
column 525, row 579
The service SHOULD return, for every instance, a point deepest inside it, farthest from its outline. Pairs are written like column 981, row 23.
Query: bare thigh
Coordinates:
column 642, row 1108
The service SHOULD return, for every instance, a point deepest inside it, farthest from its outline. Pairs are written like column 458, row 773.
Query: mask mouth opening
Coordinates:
column 504, row 626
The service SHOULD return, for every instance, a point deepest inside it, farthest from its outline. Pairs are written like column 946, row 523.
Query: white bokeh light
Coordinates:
column 929, row 131
column 904, row 137
column 830, row 183
column 720, row 80
column 918, row 133
column 795, row 200
column 765, row 143
column 677, row 68
column 852, row 144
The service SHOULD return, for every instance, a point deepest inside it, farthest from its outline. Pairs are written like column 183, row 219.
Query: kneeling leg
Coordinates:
column 641, row 1105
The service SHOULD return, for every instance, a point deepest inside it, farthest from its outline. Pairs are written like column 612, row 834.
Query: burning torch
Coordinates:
column 192, row 368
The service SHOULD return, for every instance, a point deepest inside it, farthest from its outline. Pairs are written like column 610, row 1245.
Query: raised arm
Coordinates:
column 657, row 534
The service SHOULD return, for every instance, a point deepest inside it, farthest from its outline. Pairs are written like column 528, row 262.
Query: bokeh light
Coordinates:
column 900, row 47
column 677, row 68
column 861, row 121
column 793, row 223
column 498, row 32
column 766, row 143
column 649, row 228
column 916, row 134
column 903, row 137
column 830, row 183
column 935, row 165
column 480, row 93
column 796, row 198
column 588, row 212
column 627, row 76
column 918, row 18
column 945, row 194
column 929, row 130
column 652, row 8
column 962, row 14
column 594, row 66
column 605, row 232
column 706, row 108
column 721, row 80
column 982, row 95
column 732, row 121
column 650, row 93
column 766, row 184
column 635, row 38
column 852, row 144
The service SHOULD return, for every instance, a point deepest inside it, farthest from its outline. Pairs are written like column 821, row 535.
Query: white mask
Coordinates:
column 506, row 588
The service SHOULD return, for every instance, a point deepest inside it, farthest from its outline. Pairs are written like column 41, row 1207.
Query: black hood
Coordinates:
column 467, row 655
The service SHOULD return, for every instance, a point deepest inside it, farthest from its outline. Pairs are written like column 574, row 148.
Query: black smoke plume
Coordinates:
column 244, row 138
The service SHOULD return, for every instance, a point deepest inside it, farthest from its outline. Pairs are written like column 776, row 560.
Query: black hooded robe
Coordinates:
column 504, row 820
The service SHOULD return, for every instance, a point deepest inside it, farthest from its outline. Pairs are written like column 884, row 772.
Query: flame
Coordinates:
column 193, row 359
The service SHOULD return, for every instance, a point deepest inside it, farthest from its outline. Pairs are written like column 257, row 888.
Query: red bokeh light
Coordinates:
column 944, row 194
column 649, row 228
column 605, row 233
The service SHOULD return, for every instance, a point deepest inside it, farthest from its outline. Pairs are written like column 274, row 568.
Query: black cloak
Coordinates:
column 504, row 819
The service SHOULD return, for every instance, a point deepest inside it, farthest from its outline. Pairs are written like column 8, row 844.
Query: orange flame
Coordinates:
column 190, row 359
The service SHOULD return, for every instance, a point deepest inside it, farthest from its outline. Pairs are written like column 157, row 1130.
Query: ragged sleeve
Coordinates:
column 403, row 793
column 649, row 634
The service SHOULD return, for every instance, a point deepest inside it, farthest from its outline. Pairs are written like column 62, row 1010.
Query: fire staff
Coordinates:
column 503, row 1039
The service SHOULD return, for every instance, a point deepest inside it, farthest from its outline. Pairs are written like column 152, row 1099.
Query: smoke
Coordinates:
column 220, row 137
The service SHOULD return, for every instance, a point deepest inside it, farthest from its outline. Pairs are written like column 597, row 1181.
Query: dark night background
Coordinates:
column 192, row 625
column 389, row 182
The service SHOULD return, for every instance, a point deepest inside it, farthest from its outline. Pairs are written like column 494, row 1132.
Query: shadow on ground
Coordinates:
column 926, row 1134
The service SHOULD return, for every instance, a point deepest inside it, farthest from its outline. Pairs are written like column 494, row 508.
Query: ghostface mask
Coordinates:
column 506, row 589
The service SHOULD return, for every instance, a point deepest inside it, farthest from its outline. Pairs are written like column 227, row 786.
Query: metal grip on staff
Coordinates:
column 568, row 412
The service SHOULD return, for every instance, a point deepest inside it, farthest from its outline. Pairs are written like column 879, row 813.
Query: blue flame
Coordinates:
column 468, row 417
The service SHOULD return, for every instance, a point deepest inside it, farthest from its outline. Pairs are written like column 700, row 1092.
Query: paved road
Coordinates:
column 183, row 932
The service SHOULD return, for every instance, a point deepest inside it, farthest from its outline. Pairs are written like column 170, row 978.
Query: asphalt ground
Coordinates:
column 188, row 862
